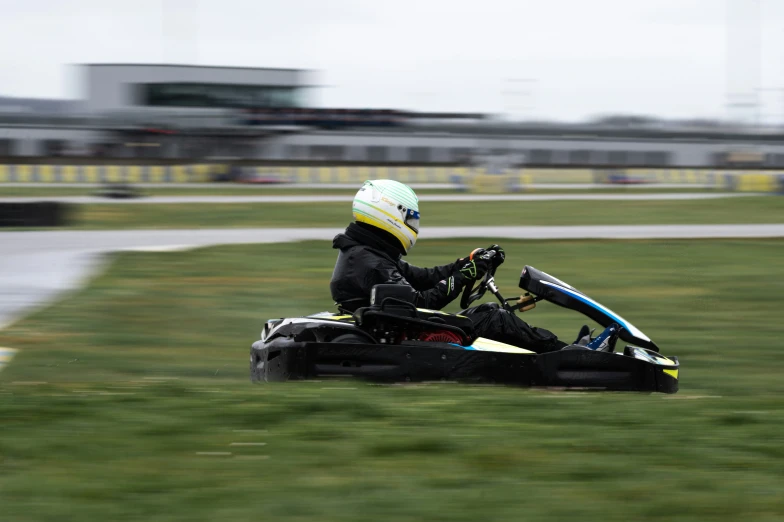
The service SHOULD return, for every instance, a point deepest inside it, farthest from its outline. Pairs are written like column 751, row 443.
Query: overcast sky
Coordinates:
column 588, row 57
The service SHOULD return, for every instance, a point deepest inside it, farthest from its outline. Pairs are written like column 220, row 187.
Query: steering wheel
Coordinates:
column 470, row 294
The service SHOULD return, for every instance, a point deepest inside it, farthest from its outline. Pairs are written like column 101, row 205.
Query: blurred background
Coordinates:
column 172, row 173
column 240, row 85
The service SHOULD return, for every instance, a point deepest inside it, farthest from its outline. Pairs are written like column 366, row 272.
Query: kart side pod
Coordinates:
column 325, row 346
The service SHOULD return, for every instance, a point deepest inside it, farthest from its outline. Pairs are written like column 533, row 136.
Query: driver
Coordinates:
column 385, row 228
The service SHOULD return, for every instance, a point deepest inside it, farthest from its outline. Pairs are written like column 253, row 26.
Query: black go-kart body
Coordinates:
column 393, row 341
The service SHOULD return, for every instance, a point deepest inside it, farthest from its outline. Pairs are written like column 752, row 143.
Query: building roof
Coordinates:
column 194, row 66
column 44, row 106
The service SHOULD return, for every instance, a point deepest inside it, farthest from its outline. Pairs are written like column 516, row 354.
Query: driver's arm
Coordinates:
column 436, row 297
column 426, row 278
column 449, row 288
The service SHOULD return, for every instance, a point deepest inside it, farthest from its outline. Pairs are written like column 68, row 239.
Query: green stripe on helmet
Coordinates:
column 397, row 190
column 367, row 208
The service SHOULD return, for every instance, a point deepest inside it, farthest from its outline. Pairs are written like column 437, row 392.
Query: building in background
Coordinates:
column 115, row 88
column 154, row 113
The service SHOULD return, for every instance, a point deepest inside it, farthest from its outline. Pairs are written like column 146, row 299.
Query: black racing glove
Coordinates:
column 475, row 267
column 500, row 255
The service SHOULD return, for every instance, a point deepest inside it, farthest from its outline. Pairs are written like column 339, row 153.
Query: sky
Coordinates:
column 566, row 60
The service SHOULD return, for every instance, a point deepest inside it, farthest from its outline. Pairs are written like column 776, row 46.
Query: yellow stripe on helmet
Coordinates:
column 392, row 216
column 370, row 220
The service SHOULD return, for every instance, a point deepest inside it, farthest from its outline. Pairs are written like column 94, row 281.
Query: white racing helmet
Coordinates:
column 390, row 206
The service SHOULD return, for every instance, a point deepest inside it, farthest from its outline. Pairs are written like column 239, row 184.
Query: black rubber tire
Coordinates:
column 350, row 338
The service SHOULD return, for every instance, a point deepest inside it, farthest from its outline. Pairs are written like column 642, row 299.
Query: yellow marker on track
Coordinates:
column 6, row 354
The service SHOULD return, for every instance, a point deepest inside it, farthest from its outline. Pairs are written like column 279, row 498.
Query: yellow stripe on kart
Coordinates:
column 488, row 345
column 331, row 317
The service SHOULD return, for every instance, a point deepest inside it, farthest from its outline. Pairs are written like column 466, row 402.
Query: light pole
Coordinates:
column 518, row 88
column 779, row 90
column 743, row 58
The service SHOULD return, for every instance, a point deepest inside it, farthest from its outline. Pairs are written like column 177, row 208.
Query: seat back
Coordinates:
column 380, row 293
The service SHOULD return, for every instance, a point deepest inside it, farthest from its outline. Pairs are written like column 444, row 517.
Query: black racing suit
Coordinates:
column 368, row 257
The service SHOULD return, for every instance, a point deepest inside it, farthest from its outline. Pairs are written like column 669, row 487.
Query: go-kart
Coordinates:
column 394, row 341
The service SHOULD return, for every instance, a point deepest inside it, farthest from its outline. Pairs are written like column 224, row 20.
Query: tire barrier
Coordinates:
column 461, row 178
column 355, row 174
column 756, row 183
column 94, row 174
column 119, row 191
column 35, row 214
column 731, row 180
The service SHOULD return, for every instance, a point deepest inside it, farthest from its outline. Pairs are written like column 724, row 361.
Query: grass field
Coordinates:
column 9, row 190
column 750, row 209
column 144, row 411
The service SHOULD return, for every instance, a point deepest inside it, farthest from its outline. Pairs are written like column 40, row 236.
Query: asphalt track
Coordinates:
column 36, row 267
column 169, row 200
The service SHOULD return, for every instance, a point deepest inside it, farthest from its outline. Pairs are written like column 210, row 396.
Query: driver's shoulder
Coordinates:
column 373, row 256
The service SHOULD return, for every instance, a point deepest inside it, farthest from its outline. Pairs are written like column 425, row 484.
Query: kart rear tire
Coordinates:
column 350, row 338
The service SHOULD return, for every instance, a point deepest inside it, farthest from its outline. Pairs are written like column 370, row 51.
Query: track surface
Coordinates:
column 168, row 200
column 37, row 266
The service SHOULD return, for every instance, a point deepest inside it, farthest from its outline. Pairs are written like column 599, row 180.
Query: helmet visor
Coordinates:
column 412, row 220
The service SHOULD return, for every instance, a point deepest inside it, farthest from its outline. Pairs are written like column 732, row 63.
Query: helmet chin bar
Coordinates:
column 386, row 236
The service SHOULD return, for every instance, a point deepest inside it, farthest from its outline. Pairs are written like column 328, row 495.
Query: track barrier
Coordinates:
column 474, row 179
column 34, row 214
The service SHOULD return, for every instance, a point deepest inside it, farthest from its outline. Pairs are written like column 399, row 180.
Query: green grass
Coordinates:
column 148, row 366
column 750, row 209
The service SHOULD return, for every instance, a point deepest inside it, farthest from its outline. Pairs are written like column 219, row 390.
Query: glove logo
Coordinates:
column 469, row 270
column 449, row 284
